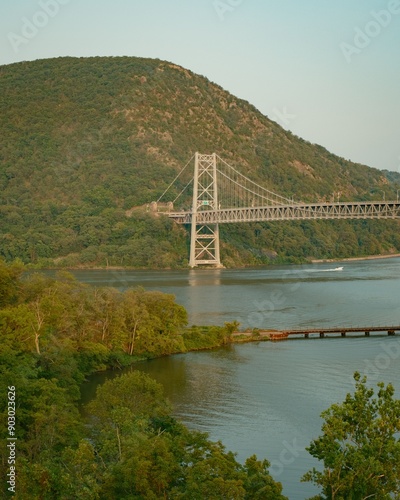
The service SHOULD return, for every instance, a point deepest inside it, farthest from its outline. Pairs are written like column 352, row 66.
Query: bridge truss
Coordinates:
column 221, row 195
column 298, row 211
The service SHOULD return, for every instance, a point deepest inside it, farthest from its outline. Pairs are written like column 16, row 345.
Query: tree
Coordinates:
column 105, row 306
column 136, row 317
column 259, row 483
column 37, row 324
column 146, row 453
column 9, row 282
column 79, row 479
column 135, row 390
column 231, row 327
column 160, row 334
column 359, row 446
column 120, row 402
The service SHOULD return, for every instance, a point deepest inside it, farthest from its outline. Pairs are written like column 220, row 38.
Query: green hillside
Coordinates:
column 85, row 140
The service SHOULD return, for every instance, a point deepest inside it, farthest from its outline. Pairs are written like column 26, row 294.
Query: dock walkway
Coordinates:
column 323, row 332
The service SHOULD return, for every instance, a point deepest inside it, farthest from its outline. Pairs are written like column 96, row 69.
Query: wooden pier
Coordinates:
column 331, row 332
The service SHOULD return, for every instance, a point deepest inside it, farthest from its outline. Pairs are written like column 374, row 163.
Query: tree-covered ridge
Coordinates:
column 85, row 140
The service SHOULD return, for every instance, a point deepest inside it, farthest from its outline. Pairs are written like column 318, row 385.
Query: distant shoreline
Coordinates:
column 119, row 268
column 368, row 257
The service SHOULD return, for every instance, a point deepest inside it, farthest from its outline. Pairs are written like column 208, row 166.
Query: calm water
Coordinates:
column 266, row 398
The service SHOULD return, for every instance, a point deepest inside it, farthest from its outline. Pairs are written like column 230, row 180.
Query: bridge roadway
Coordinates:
column 284, row 334
column 295, row 211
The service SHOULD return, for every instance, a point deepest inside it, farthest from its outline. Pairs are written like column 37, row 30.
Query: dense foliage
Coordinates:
column 125, row 444
column 42, row 314
column 360, row 446
column 85, row 140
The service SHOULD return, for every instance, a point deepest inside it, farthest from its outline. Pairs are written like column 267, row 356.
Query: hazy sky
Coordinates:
column 327, row 70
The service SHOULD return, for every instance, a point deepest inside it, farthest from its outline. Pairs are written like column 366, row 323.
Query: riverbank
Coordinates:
column 54, row 267
column 257, row 336
column 349, row 259
column 206, row 339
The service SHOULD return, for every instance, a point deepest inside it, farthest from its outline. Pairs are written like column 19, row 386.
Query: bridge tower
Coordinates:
column 204, row 240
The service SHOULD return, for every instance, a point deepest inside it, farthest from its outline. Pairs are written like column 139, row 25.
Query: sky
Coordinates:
column 329, row 71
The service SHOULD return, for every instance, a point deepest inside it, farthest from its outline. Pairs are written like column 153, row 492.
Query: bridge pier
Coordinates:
column 391, row 332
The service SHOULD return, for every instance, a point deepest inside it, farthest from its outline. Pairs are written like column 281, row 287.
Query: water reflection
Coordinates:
column 201, row 277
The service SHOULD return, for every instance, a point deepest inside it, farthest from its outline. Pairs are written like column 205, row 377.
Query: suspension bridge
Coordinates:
column 221, row 195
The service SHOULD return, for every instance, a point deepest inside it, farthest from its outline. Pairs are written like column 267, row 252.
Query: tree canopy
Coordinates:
column 125, row 444
column 151, row 455
column 359, row 446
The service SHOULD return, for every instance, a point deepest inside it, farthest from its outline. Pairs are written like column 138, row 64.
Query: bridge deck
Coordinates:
column 295, row 211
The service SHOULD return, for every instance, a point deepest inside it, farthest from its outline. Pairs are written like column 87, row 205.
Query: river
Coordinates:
column 266, row 398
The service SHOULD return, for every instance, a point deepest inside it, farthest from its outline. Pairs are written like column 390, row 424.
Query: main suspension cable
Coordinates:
column 177, row 177
column 183, row 190
column 278, row 196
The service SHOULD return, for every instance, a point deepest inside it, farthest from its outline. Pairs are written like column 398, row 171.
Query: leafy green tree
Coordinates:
column 136, row 318
column 81, row 473
column 54, row 332
column 230, row 328
column 119, row 403
column 106, row 302
column 136, row 391
column 147, row 454
column 360, row 446
column 259, row 484
column 9, row 282
column 209, row 471
column 154, row 322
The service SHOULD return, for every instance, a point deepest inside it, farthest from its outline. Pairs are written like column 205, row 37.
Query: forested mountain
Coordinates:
column 83, row 140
